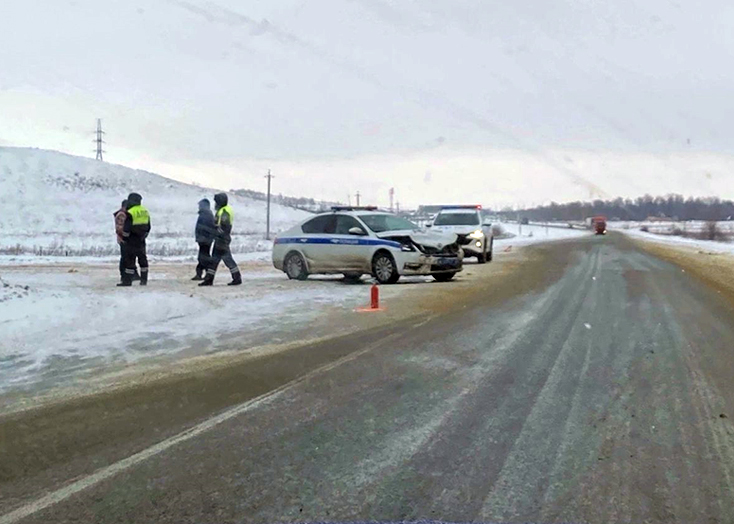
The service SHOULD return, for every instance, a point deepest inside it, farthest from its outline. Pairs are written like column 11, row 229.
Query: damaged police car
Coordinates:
column 362, row 240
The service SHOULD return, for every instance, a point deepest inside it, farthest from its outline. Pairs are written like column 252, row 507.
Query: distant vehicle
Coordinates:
column 600, row 225
column 524, row 221
column 362, row 240
column 475, row 234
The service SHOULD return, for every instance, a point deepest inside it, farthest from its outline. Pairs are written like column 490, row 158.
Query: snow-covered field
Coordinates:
column 57, row 204
column 703, row 245
column 668, row 227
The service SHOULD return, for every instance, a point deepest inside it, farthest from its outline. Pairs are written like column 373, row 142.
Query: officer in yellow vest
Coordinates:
column 223, row 219
column 134, row 233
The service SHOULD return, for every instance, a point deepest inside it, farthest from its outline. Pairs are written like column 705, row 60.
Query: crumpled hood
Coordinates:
column 437, row 239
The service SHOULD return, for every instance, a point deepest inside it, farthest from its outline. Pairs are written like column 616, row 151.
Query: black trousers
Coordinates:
column 122, row 263
column 221, row 253
column 135, row 253
column 204, row 258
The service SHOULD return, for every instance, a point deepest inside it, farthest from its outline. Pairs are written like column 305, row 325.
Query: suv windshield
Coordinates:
column 457, row 219
column 380, row 223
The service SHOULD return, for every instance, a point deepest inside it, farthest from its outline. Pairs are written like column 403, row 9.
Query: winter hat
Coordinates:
column 133, row 199
column 221, row 199
column 204, row 203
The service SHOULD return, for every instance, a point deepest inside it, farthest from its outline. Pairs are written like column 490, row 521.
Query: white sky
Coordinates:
column 501, row 102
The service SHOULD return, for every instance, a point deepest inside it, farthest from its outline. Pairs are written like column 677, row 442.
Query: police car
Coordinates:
column 362, row 240
column 474, row 234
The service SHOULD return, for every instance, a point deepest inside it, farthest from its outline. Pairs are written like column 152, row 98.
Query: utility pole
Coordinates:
column 392, row 197
column 267, row 227
column 99, row 140
column 357, row 195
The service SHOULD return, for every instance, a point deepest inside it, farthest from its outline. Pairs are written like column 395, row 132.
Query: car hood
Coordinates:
column 437, row 239
column 459, row 230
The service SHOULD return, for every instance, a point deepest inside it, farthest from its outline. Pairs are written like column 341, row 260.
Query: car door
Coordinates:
column 315, row 243
column 350, row 251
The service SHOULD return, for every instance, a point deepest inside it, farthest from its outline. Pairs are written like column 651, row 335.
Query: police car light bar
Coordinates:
column 354, row 208
column 464, row 206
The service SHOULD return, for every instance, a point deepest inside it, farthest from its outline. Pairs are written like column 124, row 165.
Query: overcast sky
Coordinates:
column 503, row 102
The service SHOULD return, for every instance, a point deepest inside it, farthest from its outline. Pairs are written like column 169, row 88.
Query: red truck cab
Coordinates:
column 600, row 225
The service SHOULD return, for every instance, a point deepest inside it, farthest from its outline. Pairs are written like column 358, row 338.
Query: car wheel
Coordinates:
column 352, row 278
column 295, row 267
column 482, row 257
column 384, row 269
column 491, row 250
column 444, row 277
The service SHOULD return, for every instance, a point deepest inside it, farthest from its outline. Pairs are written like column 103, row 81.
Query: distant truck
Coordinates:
column 599, row 225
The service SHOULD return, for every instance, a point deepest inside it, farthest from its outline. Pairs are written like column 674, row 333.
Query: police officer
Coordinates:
column 134, row 233
column 223, row 219
column 120, row 216
column 204, row 234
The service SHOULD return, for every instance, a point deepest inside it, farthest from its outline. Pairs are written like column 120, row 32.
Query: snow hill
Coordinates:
column 52, row 203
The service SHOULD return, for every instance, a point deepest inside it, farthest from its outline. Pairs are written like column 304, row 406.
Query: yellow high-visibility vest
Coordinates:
column 224, row 209
column 139, row 215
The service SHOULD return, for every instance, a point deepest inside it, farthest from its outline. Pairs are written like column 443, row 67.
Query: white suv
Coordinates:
column 474, row 234
column 356, row 241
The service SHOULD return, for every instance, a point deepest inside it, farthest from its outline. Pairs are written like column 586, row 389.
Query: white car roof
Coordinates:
column 355, row 213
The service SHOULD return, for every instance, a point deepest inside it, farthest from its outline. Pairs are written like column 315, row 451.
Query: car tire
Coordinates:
column 482, row 258
column 384, row 268
column 352, row 278
column 491, row 250
column 295, row 267
column 444, row 277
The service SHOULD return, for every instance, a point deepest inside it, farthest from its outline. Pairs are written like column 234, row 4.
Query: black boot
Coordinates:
column 136, row 277
column 143, row 278
column 236, row 279
column 125, row 283
column 208, row 281
column 197, row 277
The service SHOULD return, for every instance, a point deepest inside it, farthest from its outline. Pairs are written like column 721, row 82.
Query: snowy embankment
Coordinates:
column 61, row 205
column 673, row 240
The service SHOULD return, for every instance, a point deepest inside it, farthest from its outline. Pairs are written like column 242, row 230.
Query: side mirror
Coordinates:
column 487, row 224
column 357, row 231
column 429, row 225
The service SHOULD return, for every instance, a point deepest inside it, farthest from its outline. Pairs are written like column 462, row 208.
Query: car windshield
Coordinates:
column 382, row 223
column 457, row 219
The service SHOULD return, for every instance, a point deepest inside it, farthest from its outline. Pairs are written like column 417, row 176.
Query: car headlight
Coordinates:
column 477, row 234
column 406, row 247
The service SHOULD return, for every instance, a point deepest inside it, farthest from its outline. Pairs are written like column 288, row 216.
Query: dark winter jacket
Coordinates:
column 223, row 219
column 205, row 228
column 137, row 222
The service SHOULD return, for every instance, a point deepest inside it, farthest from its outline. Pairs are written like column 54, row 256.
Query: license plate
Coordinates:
column 448, row 262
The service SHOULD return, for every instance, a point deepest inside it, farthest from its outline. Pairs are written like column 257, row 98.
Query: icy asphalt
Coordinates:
column 596, row 386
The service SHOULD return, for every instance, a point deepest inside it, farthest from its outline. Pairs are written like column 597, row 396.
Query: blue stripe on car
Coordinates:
column 338, row 241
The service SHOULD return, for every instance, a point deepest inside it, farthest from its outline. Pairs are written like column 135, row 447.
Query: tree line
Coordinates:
column 675, row 207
